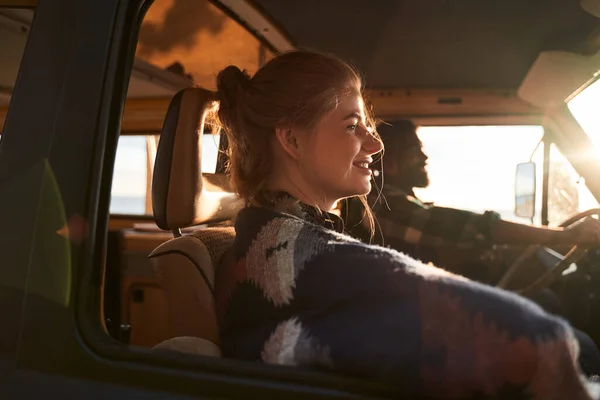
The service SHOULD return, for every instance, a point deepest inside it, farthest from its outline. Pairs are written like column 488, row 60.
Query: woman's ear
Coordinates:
column 288, row 141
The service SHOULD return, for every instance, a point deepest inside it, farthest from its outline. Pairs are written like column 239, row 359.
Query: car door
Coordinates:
column 67, row 98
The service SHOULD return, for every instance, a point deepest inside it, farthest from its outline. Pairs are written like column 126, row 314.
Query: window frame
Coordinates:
column 18, row 3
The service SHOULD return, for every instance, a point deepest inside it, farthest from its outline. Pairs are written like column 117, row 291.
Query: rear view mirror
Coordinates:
column 525, row 190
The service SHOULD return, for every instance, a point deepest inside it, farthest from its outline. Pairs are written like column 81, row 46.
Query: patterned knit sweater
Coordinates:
column 300, row 294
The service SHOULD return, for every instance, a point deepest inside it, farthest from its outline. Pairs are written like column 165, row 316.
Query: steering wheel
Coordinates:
column 573, row 256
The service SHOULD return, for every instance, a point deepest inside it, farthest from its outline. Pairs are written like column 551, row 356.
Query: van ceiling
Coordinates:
column 406, row 44
column 442, row 44
column 147, row 80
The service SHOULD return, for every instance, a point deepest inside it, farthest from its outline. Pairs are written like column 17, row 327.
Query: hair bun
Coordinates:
column 231, row 84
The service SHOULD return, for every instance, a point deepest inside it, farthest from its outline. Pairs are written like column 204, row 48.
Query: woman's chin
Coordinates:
column 362, row 189
column 357, row 187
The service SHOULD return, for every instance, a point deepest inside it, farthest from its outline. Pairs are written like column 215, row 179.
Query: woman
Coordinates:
column 302, row 293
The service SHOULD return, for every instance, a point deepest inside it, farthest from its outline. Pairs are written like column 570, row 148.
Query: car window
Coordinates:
column 14, row 31
column 567, row 194
column 473, row 167
column 197, row 39
column 584, row 107
column 174, row 41
column 134, row 164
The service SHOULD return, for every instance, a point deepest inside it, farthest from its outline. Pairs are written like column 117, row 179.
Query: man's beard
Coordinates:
column 415, row 178
column 420, row 179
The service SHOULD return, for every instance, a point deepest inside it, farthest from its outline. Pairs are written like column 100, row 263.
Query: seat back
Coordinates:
column 185, row 267
column 182, row 197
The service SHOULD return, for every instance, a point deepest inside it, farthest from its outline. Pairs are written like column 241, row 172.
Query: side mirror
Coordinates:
column 525, row 190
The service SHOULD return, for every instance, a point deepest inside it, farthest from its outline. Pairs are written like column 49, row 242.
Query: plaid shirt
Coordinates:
column 416, row 228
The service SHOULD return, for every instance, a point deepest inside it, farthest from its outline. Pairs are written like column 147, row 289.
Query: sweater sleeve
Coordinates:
column 383, row 316
column 305, row 296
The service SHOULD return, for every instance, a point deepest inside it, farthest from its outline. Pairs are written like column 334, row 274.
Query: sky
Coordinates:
column 474, row 167
column 130, row 164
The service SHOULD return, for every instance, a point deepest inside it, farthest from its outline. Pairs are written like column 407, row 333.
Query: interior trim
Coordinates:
column 146, row 116
column 253, row 19
column 164, row 156
column 18, row 3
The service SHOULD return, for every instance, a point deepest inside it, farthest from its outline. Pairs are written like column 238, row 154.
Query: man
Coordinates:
column 428, row 232
column 447, row 237
column 457, row 240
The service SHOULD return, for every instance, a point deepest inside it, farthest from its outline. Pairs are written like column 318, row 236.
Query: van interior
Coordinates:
column 500, row 74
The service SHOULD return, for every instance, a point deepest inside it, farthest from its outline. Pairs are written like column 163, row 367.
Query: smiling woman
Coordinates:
column 299, row 140
column 277, row 144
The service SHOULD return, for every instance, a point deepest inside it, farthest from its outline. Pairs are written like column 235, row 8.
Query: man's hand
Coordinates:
column 585, row 232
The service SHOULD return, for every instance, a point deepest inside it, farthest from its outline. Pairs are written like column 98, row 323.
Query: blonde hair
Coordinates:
column 296, row 88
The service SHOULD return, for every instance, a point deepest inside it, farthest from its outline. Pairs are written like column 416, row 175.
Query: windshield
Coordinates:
column 584, row 108
column 473, row 167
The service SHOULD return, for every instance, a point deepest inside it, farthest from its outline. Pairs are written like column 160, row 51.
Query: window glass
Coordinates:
column 134, row 164
column 190, row 38
column 473, row 167
column 196, row 38
column 567, row 194
column 14, row 31
column 210, row 153
column 584, row 108
column 128, row 194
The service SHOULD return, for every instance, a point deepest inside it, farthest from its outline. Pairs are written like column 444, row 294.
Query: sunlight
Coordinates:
column 473, row 167
column 130, row 177
column 585, row 108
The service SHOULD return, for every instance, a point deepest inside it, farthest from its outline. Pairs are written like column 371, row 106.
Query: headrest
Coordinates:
column 181, row 195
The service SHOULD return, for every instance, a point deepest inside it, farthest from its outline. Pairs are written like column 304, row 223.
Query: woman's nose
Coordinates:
column 372, row 144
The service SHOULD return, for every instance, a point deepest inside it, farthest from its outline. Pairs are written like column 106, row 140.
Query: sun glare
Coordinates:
column 585, row 107
column 473, row 167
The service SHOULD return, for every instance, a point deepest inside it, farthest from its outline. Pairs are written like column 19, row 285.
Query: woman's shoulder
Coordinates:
column 270, row 229
column 260, row 222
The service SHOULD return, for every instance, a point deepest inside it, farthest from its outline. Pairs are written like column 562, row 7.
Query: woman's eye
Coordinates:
column 352, row 127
